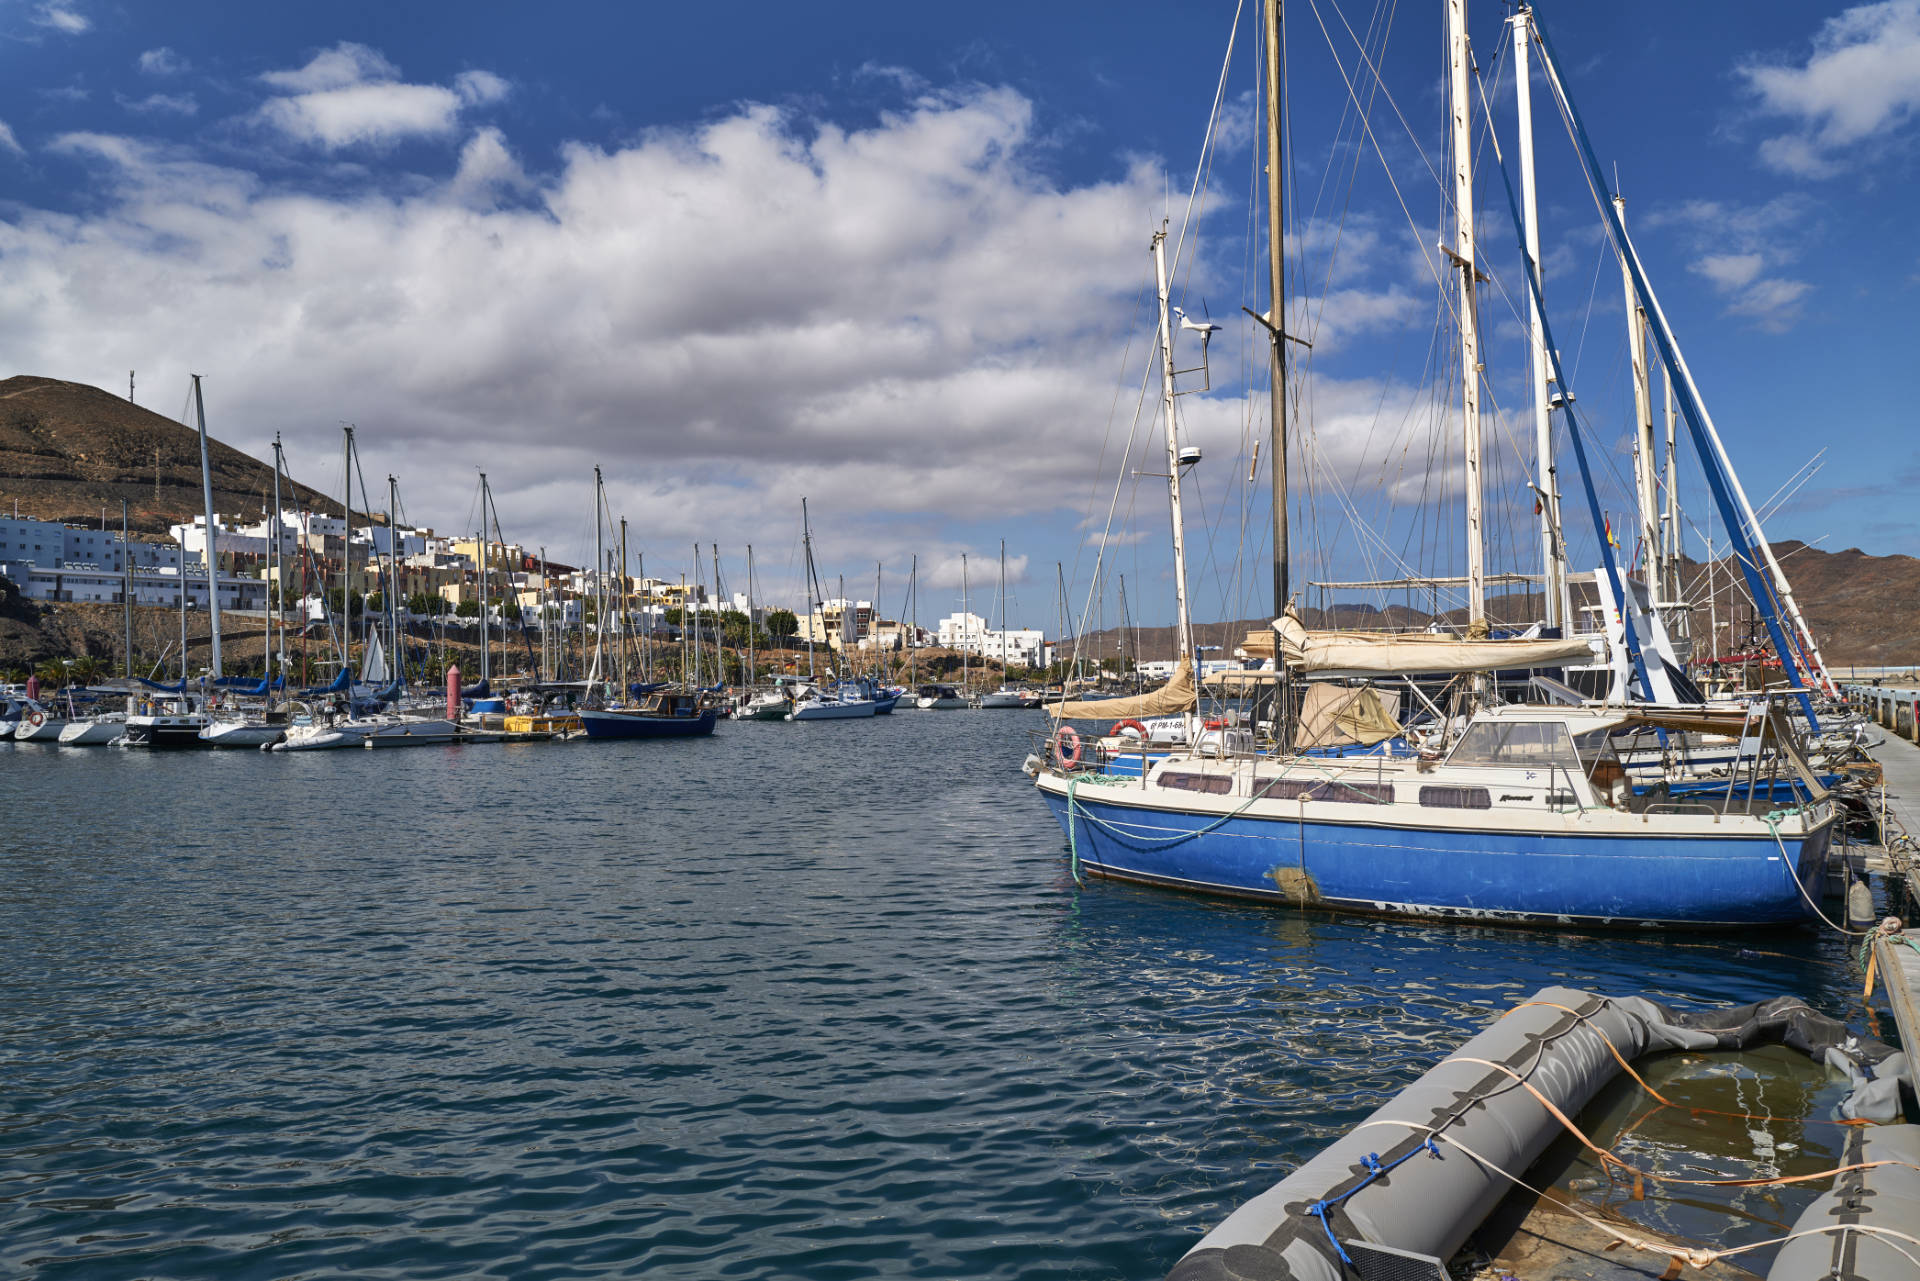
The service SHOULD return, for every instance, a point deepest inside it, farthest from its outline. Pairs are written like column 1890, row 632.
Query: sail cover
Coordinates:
column 1334, row 715
column 1395, row 654
column 1177, row 695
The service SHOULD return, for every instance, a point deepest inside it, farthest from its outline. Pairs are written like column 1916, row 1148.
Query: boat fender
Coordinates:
column 1121, row 727
column 1883, row 1196
column 1066, row 747
column 1031, row 766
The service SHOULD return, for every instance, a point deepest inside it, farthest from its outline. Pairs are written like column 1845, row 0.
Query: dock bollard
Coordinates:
column 453, row 694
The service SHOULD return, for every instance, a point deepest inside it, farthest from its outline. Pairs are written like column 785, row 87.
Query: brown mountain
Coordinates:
column 1863, row 609
column 68, row 450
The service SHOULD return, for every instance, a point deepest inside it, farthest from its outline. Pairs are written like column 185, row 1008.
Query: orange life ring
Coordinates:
column 1066, row 747
column 36, row 719
column 1129, row 723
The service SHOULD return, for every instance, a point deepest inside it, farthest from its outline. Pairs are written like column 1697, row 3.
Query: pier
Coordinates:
column 1896, row 959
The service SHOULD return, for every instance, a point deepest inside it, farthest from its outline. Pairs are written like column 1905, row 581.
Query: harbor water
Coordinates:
column 796, row 1001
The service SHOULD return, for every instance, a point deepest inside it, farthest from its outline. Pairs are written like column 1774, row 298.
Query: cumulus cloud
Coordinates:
column 1859, row 85
column 1744, row 251
column 63, row 18
column 163, row 62
column 352, row 95
column 177, row 104
column 900, row 320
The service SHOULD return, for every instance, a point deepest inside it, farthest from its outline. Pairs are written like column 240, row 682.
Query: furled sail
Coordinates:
column 1177, row 695
column 1395, row 654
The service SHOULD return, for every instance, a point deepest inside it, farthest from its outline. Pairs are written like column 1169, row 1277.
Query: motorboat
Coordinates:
column 941, row 698
column 170, row 724
column 1006, row 696
column 838, row 704
column 407, row 731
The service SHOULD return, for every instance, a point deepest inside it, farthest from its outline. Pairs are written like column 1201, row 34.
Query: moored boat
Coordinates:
column 664, row 714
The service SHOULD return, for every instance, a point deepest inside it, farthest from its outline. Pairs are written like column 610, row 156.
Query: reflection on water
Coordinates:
column 796, row 1001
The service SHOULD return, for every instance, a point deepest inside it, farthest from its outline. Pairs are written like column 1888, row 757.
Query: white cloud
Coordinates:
column 1730, row 271
column 9, row 143
column 1743, row 249
column 178, row 104
column 1861, row 82
column 63, row 18
column 478, row 88
column 899, row 321
column 163, row 62
column 345, row 64
column 352, row 95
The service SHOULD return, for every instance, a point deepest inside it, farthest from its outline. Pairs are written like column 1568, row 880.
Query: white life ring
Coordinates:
column 36, row 719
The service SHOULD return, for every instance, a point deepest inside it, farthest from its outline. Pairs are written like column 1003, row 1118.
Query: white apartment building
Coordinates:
column 1013, row 647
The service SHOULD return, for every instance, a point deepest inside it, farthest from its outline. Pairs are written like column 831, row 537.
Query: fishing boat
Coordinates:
column 769, row 705
column 1523, row 816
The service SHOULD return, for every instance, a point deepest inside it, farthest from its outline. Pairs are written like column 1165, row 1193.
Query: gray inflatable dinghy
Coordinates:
column 1399, row 1194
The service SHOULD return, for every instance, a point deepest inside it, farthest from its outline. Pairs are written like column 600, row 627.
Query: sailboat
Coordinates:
column 818, row 700
column 1006, row 696
column 1527, row 816
column 640, row 710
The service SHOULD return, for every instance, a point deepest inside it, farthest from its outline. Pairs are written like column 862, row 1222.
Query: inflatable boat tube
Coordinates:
column 1389, row 1184
column 1885, row 1196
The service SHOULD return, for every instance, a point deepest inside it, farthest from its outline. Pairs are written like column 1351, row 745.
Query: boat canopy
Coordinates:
column 1395, row 654
column 1335, row 715
column 1177, row 695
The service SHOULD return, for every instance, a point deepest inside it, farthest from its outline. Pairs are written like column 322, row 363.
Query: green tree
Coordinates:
column 511, row 611
column 52, row 674
column 86, row 669
column 468, row 609
column 376, row 602
column 782, row 624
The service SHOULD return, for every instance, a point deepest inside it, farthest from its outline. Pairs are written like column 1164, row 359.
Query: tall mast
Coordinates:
column 599, row 576
column 1277, row 293
column 1547, row 481
column 546, row 623
column 279, row 572
column 213, row 526
column 1670, row 519
column 626, row 614
column 1646, row 463
column 486, row 628
column 719, row 633
column 1184, row 633
column 694, row 614
column 346, row 549
column 1003, row 611
column 753, row 668
column 913, row 608
column 816, row 609
column 1458, row 57
column 966, row 618
column 126, row 561
column 393, row 573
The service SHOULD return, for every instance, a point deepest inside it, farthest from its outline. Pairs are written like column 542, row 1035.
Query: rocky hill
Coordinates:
column 1864, row 610
column 68, row 450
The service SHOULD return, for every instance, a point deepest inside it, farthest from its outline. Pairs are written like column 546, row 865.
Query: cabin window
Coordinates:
column 1214, row 784
column 1325, row 789
column 1529, row 744
column 1456, row 798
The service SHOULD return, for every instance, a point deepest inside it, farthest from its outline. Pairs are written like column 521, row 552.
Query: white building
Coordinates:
column 1013, row 647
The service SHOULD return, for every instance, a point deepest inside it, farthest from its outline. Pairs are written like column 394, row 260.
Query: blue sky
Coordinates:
column 890, row 257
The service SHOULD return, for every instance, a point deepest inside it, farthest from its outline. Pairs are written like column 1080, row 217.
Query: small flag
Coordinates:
column 1611, row 540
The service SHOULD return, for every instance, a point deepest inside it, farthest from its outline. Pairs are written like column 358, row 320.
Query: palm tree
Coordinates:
column 52, row 674
column 86, row 669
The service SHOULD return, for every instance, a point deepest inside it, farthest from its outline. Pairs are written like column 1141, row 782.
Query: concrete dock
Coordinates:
column 1896, row 959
